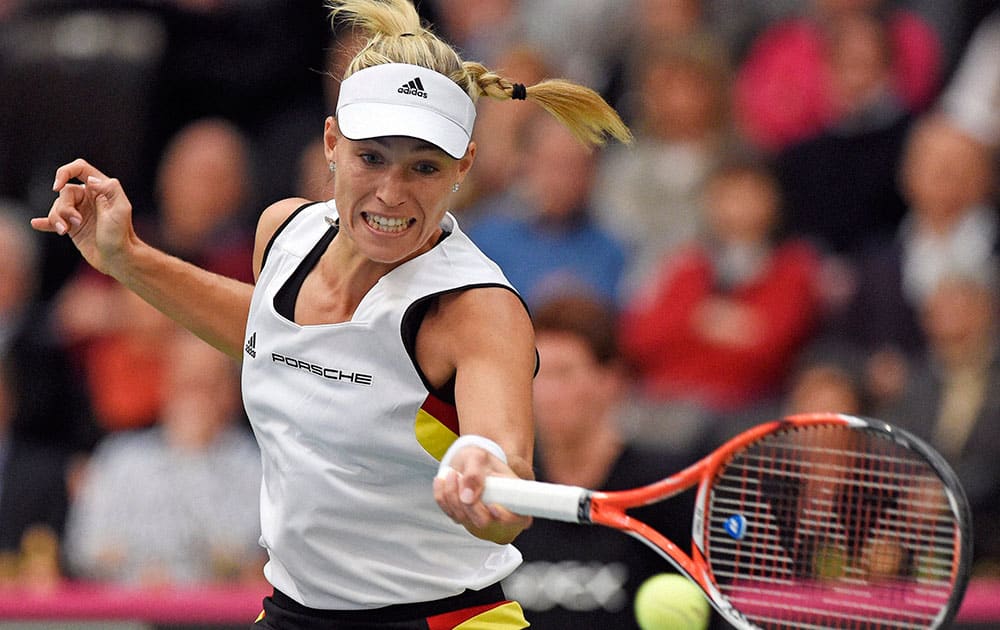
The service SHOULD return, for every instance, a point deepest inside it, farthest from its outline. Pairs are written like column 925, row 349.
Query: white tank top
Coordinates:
column 350, row 437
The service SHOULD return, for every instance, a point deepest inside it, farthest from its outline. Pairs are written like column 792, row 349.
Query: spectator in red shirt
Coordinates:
column 723, row 323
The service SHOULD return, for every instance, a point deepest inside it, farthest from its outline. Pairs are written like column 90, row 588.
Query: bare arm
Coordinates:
column 211, row 306
column 487, row 336
column 97, row 215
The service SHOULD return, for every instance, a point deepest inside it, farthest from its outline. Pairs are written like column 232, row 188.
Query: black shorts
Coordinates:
column 489, row 605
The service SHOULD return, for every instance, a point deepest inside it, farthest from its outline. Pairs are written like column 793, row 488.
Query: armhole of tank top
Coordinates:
column 281, row 228
column 410, row 326
column 288, row 293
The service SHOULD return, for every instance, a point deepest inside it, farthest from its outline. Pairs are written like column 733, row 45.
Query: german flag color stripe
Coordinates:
column 501, row 616
column 436, row 426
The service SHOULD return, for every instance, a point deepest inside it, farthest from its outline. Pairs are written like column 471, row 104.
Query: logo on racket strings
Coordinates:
column 736, row 526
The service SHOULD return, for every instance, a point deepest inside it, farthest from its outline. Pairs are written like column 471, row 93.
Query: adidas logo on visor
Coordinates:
column 414, row 87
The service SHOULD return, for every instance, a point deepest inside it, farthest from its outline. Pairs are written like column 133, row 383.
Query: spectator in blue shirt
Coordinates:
column 557, row 247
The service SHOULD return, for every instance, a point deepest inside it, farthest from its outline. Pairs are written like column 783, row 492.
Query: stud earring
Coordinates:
column 456, row 187
column 333, row 167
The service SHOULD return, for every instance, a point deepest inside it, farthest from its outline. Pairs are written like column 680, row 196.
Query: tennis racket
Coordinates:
column 813, row 521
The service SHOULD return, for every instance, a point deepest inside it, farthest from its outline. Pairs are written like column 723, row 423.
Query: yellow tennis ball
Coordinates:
column 668, row 601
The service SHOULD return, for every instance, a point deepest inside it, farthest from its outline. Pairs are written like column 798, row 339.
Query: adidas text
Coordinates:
column 414, row 87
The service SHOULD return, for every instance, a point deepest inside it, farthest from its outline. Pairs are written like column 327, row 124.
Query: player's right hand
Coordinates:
column 95, row 214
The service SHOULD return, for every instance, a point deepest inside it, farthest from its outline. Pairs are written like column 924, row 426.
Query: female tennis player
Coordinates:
column 377, row 342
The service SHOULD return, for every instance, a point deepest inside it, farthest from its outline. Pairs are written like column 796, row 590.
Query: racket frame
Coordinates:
column 609, row 508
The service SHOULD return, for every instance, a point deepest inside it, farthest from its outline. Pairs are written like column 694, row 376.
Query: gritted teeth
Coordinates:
column 387, row 224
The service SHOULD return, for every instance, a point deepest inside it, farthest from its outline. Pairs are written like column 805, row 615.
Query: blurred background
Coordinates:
column 807, row 221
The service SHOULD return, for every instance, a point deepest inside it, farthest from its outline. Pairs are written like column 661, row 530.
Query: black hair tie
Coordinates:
column 408, row 35
column 518, row 92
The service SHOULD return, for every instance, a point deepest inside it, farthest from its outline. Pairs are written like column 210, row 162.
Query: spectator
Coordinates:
column 234, row 59
column 828, row 377
column 201, row 187
column 722, row 324
column 653, row 24
column 575, row 577
column 33, row 497
column 583, row 39
column 118, row 341
column 647, row 194
column 740, row 22
column 52, row 404
column 681, row 18
column 951, row 397
column 557, row 247
column 500, row 134
column 782, row 91
column 840, row 185
column 951, row 226
column 972, row 97
column 176, row 503
column 481, row 29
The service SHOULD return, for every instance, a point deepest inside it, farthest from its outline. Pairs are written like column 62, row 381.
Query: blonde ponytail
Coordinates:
column 582, row 110
column 395, row 34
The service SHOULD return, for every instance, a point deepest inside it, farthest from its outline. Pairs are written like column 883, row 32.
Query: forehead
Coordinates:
column 403, row 144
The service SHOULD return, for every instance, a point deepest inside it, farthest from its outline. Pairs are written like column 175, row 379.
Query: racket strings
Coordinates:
column 829, row 527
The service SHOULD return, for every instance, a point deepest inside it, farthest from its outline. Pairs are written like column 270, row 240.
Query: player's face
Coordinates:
column 392, row 193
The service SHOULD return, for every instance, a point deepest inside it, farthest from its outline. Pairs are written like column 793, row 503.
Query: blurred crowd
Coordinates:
column 807, row 221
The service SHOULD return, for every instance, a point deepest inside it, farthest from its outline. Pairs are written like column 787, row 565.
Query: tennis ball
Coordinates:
column 830, row 563
column 668, row 601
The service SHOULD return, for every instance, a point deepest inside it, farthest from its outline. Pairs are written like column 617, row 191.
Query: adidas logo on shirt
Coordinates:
column 414, row 87
column 251, row 346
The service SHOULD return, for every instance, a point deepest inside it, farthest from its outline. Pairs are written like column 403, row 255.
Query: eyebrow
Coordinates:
column 422, row 145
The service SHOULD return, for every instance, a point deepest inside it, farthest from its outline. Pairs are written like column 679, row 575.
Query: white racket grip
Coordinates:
column 553, row 501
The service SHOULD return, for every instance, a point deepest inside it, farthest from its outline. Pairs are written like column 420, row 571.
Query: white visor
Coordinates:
column 398, row 99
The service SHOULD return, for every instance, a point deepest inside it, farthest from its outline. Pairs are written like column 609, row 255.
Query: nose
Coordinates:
column 391, row 189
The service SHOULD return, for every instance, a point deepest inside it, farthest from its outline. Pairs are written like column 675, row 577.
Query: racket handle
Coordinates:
column 535, row 498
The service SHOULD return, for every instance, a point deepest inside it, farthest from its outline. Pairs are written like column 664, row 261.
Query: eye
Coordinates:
column 370, row 158
column 426, row 168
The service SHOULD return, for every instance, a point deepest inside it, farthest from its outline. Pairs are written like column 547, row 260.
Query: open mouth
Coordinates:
column 388, row 225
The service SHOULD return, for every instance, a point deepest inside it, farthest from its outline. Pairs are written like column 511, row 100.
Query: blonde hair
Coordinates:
column 395, row 34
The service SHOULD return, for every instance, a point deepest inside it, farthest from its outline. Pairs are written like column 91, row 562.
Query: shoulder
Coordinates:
column 276, row 213
column 481, row 327
column 268, row 224
column 487, row 303
column 468, row 318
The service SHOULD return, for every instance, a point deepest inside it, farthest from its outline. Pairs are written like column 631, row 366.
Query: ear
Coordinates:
column 331, row 133
column 465, row 163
